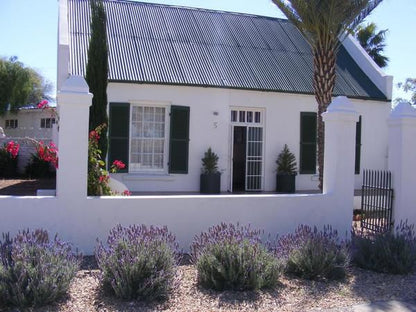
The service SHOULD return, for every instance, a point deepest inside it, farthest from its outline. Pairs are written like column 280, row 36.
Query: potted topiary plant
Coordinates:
column 286, row 171
column 210, row 182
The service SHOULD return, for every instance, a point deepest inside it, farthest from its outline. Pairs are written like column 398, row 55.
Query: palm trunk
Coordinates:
column 323, row 83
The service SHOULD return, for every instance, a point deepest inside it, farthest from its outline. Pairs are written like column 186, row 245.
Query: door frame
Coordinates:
column 247, row 123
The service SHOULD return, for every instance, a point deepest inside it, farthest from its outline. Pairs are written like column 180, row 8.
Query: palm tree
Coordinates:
column 373, row 42
column 324, row 24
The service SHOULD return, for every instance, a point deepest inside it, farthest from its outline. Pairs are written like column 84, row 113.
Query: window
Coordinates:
column 11, row 124
column 307, row 159
column 141, row 141
column 246, row 116
column 47, row 122
column 147, row 141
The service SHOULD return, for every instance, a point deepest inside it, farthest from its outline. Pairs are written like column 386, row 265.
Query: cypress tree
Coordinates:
column 97, row 71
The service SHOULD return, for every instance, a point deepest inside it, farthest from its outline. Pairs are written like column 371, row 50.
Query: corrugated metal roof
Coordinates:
column 153, row 43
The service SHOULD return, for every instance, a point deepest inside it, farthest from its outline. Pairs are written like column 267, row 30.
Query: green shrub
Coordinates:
column 35, row 271
column 238, row 266
column 313, row 254
column 38, row 168
column 232, row 257
column 139, row 262
column 8, row 159
column 393, row 253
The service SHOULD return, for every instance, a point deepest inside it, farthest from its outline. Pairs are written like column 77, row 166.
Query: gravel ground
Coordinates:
column 291, row 295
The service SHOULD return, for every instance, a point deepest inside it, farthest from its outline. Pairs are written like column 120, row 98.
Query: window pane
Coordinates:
column 147, row 160
column 147, row 146
column 148, row 130
column 148, row 133
column 136, row 129
column 158, row 161
column 257, row 117
column 159, row 131
column 149, row 114
column 249, row 116
column 160, row 114
column 242, row 116
column 233, row 116
column 158, row 146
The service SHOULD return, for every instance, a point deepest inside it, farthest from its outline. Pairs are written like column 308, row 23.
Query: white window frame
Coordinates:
column 164, row 169
column 252, row 124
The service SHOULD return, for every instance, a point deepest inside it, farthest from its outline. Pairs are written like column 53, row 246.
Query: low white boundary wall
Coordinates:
column 81, row 220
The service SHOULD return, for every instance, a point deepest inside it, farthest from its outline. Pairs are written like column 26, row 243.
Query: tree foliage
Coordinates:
column 323, row 23
column 97, row 71
column 20, row 85
column 408, row 86
column 372, row 42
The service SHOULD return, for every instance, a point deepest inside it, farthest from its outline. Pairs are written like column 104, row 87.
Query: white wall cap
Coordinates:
column 75, row 84
column 402, row 110
column 341, row 104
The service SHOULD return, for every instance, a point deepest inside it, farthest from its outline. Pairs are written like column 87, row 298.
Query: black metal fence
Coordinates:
column 376, row 201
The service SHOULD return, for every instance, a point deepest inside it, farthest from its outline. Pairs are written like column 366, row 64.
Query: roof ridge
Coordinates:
column 197, row 9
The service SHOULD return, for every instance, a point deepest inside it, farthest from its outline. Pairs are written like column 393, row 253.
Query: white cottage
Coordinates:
column 182, row 80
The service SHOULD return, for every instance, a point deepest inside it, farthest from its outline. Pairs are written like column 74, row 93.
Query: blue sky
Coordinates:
column 28, row 30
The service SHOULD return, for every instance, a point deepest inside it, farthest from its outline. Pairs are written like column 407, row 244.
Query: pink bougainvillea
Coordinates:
column 118, row 164
column 94, row 136
column 42, row 104
column 98, row 176
column 48, row 153
column 12, row 148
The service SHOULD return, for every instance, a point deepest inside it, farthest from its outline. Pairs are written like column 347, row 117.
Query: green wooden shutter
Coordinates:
column 179, row 139
column 307, row 158
column 358, row 147
column 119, row 123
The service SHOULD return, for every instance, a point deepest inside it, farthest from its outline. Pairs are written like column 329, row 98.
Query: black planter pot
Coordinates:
column 210, row 183
column 285, row 183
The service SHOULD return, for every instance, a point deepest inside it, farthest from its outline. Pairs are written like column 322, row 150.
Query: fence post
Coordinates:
column 340, row 126
column 402, row 161
column 74, row 101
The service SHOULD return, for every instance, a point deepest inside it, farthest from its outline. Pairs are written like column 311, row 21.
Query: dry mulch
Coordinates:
column 292, row 294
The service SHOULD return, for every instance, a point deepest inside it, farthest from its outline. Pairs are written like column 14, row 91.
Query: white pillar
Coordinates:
column 74, row 101
column 402, row 161
column 340, row 127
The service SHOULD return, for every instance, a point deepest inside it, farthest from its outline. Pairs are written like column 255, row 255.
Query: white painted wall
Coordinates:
column 81, row 220
column 402, row 154
column 29, row 123
column 282, row 125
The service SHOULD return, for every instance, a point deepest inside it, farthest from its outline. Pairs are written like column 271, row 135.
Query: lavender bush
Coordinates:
column 393, row 253
column 223, row 232
column 232, row 257
column 34, row 270
column 139, row 262
column 314, row 254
